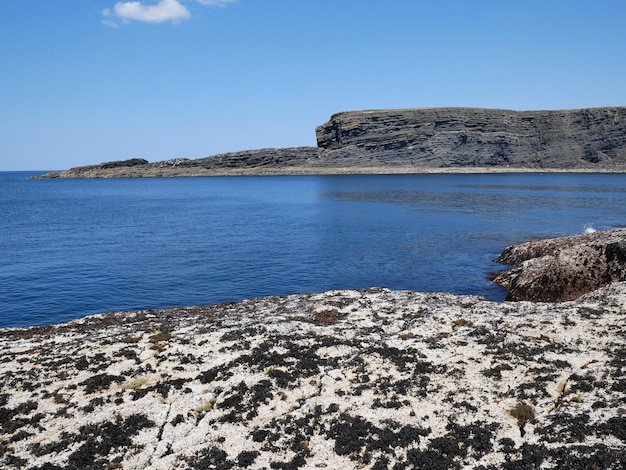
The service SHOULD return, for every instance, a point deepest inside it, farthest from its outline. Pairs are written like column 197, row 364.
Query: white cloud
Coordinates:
column 165, row 10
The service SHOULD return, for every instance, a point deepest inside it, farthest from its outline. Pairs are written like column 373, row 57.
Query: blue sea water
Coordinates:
column 69, row 248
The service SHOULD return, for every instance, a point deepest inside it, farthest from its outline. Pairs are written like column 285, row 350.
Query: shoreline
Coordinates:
column 344, row 378
column 306, row 171
column 372, row 378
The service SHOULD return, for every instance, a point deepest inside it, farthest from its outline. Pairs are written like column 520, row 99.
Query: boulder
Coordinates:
column 564, row 268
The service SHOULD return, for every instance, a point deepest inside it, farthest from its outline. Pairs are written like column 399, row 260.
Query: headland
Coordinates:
column 423, row 140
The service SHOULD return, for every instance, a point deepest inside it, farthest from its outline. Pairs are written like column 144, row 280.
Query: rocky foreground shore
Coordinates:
column 343, row 379
column 416, row 141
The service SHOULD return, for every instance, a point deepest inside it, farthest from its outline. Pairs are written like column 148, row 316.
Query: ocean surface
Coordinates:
column 69, row 248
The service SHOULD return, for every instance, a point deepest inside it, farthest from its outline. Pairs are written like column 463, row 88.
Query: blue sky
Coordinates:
column 83, row 82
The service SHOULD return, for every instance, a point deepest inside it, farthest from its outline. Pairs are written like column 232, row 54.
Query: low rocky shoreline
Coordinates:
column 154, row 171
column 423, row 140
column 343, row 379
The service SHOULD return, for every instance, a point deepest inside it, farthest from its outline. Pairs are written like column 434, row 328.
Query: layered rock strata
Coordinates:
column 264, row 161
column 471, row 137
column 417, row 140
column 564, row 268
column 343, row 379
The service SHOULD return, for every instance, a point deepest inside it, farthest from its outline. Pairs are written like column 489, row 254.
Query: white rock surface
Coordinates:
column 342, row 379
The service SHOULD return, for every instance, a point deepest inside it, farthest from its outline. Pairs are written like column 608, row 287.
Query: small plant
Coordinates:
column 160, row 336
column 523, row 413
column 206, row 406
column 137, row 383
column 326, row 317
column 461, row 322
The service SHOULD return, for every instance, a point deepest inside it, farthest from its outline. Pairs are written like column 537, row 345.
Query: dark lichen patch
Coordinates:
column 288, row 361
column 495, row 372
column 243, row 401
column 565, row 427
column 357, row 438
column 100, row 382
column 360, row 440
column 572, row 457
column 432, row 459
column 97, row 444
column 162, row 388
column 246, row 458
column 236, row 335
column 615, row 426
column 582, row 383
column 12, row 419
column 212, row 457
column 82, row 363
column 536, row 388
column 291, row 434
column 590, row 313
column 129, row 353
column 214, row 373
column 296, row 462
column 393, row 402
column 98, row 362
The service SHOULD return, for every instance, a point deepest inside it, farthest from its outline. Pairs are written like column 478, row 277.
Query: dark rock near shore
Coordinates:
column 564, row 268
column 417, row 140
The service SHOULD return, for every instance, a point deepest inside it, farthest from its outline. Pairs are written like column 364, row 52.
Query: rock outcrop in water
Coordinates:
column 345, row 379
column 564, row 268
column 418, row 140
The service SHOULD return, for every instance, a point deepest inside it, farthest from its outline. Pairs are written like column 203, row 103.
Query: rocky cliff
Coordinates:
column 418, row 140
column 462, row 137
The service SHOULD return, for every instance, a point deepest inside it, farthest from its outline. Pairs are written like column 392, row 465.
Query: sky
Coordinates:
column 84, row 82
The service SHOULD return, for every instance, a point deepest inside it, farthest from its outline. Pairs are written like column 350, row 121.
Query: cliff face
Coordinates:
column 450, row 137
column 417, row 140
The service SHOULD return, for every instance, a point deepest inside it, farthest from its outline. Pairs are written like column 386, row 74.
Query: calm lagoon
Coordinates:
column 70, row 248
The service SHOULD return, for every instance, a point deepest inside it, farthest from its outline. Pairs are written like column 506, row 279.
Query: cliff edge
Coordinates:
column 462, row 137
column 416, row 141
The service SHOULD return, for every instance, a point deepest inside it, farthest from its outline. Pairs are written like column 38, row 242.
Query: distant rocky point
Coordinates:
column 417, row 141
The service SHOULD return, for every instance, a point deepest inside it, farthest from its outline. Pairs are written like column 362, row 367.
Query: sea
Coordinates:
column 75, row 247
